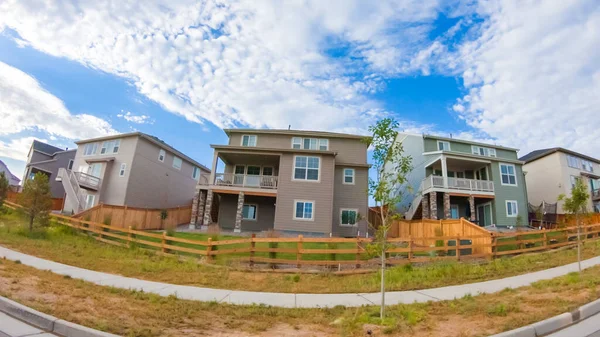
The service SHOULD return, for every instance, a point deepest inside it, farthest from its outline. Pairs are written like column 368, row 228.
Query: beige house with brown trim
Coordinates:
column 133, row 169
column 551, row 172
column 307, row 182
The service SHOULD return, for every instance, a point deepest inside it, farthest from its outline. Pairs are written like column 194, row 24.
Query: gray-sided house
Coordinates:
column 554, row 171
column 133, row 169
column 48, row 159
column 13, row 181
column 307, row 182
column 453, row 178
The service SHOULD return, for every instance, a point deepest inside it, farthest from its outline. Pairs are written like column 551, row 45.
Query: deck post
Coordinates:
column 207, row 218
column 447, row 214
column 433, row 205
column 425, row 206
column 473, row 216
column 238, row 213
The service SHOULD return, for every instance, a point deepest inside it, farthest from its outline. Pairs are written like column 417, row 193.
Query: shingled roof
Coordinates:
column 537, row 154
column 46, row 148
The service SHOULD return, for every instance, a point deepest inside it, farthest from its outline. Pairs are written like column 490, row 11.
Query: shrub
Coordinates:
column 36, row 200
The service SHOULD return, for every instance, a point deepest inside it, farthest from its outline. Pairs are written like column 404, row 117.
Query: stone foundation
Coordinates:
column 238, row 214
column 207, row 217
column 433, row 205
column 447, row 213
column 425, row 206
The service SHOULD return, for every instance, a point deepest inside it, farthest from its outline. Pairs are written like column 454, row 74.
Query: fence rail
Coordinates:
column 138, row 218
column 57, row 203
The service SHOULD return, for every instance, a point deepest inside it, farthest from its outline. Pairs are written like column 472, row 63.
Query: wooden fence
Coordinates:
column 57, row 203
column 348, row 252
column 138, row 218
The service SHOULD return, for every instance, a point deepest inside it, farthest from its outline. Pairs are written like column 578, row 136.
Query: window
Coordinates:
column 310, row 143
column 443, row 146
column 573, row 161
column 89, row 201
column 349, row 176
column 573, row 181
column 587, row 165
column 512, row 210
column 508, row 173
column 323, row 144
column 296, row 143
column 253, row 170
column 161, row 155
column 267, row 171
column 249, row 140
column 70, row 166
column 483, row 151
column 196, row 173
column 249, row 212
column 177, row 163
column 110, row 146
column 90, row 149
column 122, row 170
column 303, row 210
column 306, row 168
column 348, row 217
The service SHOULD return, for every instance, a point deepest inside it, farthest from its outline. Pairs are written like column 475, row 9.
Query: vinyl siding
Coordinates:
column 60, row 160
column 431, row 145
column 545, row 179
column 350, row 196
column 413, row 147
column 265, row 214
column 504, row 193
column 320, row 192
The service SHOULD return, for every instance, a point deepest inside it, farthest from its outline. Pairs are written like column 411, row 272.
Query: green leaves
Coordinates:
column 3, row 188
column 577, row 202
column 36, row 199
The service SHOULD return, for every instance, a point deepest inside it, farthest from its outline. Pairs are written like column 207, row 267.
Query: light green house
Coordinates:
column 453, row 178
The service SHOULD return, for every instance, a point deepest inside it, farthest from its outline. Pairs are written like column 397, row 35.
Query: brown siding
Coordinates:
column 319, row 192
column 350, row 196
column 265, row 214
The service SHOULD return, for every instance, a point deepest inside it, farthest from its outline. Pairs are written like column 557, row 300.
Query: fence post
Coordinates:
column 494, row 246
column 164, row 242
column 357, row 252
column 124, row 215
column 100, row 213
column 209, row 250
column 145, row 217
column 458, row 248
column 545, row 240
column 410, row 248
column 252, row 246
column 299, row 251
column 129, row 237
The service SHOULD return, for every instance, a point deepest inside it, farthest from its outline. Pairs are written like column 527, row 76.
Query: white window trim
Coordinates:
column 344, row 176
column 514, row 170
column 444, row 142
column 70, row 164
column 303, row 219
column 175, row 167
column 94, row 145
column 300, row 148
column 578, row 162
column 123, row 168
column 116, row 143
column 164, row 155
column 319, row 144
column 262, row 169
column 516, row 204
column 255, row 212
column 110, row 145
column 307, row 180
column 194, row 170
column 255, row 142
column 355, row 220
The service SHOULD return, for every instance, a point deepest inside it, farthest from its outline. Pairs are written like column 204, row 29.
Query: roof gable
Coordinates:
column 46, row 148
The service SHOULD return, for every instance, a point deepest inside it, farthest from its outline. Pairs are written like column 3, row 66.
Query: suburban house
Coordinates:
column 133, row 169
column 13, row 181
column 297, row 182
column 48, row 159
column 453, row 178
column 553, row 171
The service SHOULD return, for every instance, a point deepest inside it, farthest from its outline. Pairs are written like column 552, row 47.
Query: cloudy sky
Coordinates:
column 518, row 73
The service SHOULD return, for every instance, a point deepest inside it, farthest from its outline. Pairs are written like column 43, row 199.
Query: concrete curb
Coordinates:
column 555, row 323
column 47, row 322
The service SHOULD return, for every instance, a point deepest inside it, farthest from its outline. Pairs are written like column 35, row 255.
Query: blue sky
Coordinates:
column 183, row 70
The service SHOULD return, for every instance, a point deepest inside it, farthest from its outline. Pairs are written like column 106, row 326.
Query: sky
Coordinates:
column 517, row 73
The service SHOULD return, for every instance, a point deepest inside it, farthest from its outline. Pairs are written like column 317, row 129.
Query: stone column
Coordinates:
column 207, row 218
column 425, row 206
column 433, row 206
column 201, row 206
column 194, row 219
column 472, row 208
column 447, row 213
column 238, row 214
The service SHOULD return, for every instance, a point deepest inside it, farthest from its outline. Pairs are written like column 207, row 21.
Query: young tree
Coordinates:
column 576, row 205
column 392, row 166
column 3, row 188
column 36, row 199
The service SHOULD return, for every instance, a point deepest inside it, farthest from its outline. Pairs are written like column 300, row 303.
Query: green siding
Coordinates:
column 431, row 145
column 504, row 193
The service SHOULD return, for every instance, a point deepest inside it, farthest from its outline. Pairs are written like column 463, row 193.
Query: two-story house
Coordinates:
column 307, row 182
column 133, row 169
column 554, row 171
column 48, row 159
column 453, row 178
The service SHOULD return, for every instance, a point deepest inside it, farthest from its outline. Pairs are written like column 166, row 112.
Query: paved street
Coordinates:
column 10, row 327
column 586, row 328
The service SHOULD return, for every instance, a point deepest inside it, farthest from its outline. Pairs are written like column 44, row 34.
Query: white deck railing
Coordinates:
column 246, row 180
column 88, row 180
column 596, row 194
column 458, row 184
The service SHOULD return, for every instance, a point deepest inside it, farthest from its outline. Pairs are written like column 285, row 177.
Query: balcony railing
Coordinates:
column 596, row 194
column 246, row 180
column 458, row 184
column 88, row 181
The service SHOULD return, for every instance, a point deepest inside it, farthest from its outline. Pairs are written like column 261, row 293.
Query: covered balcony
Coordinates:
column 459, row 176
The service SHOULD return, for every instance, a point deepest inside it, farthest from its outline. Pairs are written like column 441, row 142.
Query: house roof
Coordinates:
column 46, row 148
column 12, row 176
column 295, row 133
column 148, row 137
column 538, row 154
column 471, row 142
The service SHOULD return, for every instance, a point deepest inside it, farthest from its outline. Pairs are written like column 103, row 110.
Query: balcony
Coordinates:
column 432, row 183
column 88, row 181
column 246, row 180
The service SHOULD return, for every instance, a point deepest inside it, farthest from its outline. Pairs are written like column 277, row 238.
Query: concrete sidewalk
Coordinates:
column 293, row 300
column 12, row 327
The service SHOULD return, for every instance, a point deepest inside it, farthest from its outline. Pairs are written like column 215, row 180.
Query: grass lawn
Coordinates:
column 133, row 313
column 64, row 245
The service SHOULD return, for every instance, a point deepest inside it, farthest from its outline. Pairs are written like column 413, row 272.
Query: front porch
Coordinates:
column 477, row 209
column 458, row 175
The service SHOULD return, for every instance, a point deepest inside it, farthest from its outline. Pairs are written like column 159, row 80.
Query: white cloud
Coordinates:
column 17, row 148
column 25, row 105
column 137, row 119
column 533, row 75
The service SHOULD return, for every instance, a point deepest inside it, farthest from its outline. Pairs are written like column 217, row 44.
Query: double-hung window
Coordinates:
column 110, row 146
column 443, row 145
column 303, row 210
column 177, row 163
column 483, row 151
column 296, row 143
column 573, row 161
column 349, row 176
column 323, row 144
column 249, row 212
column 587, row 165
column 196, row 173
column 122, row 170
column 90, row 149
column 512, row 210
column 348, row 217
column 161, row 155
column 249, row 140
column 306, row 168
column 310, row 143
column 508, row 174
